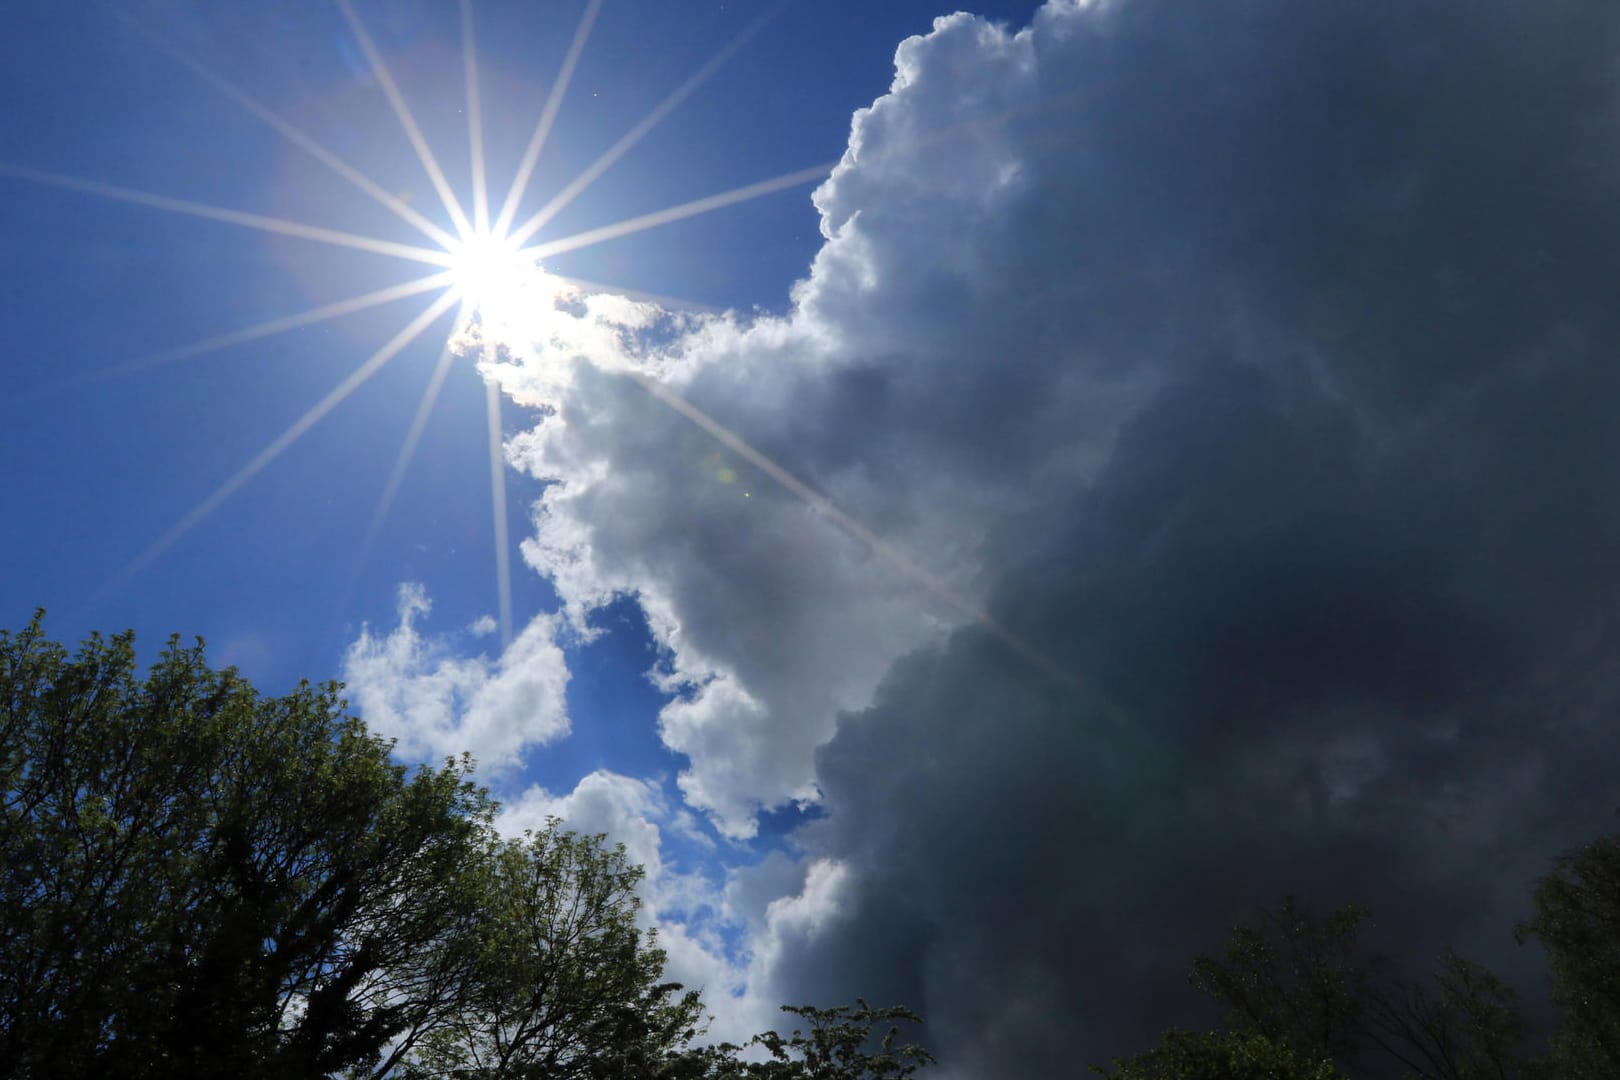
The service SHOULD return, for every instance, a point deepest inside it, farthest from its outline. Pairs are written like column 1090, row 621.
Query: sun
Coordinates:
column 491, row 274
column 488, row 263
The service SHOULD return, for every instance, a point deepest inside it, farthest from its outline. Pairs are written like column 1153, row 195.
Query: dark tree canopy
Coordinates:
column 197, row 880
column 1577, row 920
column 1307, row 1000
column 837, row 1044
column 1183, row 1055
column 564, row 987
column 1294, row 979
column 1310, row 984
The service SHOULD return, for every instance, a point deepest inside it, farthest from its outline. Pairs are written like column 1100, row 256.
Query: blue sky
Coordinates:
column 115, row 440
column 95, row 284
column 272, row 578
column 1148, row 458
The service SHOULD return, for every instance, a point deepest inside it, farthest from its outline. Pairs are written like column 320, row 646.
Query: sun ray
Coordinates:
column 406, row 121
column 281, row 442
column 251, row 333
column 231, row 217
column 475, row 121
column 629, row 139
column 855, row 528
column 407, row 449
column 295, row 135
column 548, row 115
column 271, row 327
column 497, row 496
column 677, row 213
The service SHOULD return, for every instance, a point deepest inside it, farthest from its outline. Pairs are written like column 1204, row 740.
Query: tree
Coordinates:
column 564, row 986
column 1183, row 1055
column 1577, row 920
column 1308, row 984
column 1467, row 1028
column 199, row 881
column 196, row 879
column 841, row 1044
column 1294, row 979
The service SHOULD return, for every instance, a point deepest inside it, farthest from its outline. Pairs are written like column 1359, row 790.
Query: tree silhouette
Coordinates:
column 199, row 879
column 1577, row 920
column 196, row 880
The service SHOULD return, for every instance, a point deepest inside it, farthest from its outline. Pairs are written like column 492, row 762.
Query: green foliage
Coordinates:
column 840, row 1044
column 1241, row 1055
column 1307, row 983
column 1294, row 979
column 564, row 987
column 195, row 879
column 199, row 881
column 1577, row 920
column 1467, row 1027
column 835, row 1047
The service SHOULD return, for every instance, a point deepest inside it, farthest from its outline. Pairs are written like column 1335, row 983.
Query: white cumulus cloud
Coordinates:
column 415, row 688
column 908, row 385
column 1252, row 361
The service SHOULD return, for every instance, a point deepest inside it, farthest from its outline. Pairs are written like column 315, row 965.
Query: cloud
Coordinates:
column 414, row 689
column 774, row 618
column 689, row 909
column 1345, row 575
column 1252, row 362
column 623, row 808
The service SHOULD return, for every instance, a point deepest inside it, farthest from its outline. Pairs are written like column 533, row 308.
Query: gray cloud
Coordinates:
column 1348, row 575
column 1251, row 359
column 1308, row 699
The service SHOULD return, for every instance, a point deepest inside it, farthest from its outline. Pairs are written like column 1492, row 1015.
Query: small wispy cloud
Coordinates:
column 415, row 688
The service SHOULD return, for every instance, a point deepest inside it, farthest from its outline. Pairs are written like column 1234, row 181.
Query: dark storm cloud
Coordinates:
column 1254, row 361
column 1349, row 575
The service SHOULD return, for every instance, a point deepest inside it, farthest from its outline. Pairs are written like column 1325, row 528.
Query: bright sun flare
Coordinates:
column 490, row 265
column 490, row 272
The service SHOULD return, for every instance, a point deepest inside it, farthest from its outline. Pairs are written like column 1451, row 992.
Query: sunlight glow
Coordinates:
column 498, row 281
column 491, row 276
column 498, row 284
column 231, row 217
column 280, row 443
